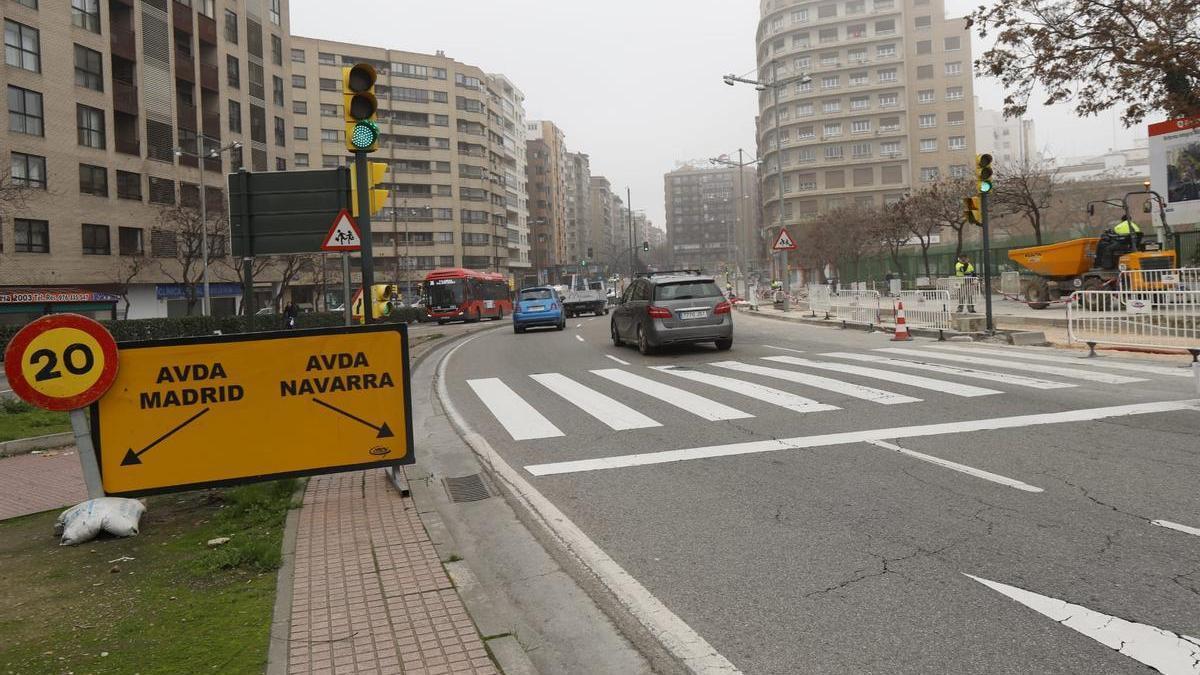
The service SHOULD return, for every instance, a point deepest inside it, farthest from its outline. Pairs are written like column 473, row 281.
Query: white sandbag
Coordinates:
column 114, row 515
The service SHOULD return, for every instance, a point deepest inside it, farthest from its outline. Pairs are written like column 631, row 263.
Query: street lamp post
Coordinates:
column 200, row 155
column 739, row 213
column 776, row 84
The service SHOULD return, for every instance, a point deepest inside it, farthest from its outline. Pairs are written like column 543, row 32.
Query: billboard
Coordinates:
column 1175, row 168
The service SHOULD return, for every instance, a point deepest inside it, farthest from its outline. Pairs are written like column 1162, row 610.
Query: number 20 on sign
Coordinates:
column 61, row 362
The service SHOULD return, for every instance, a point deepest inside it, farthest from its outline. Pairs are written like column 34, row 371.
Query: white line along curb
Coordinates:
column 676, row 636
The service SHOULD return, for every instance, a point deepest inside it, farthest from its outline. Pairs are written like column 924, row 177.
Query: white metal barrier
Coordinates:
column 856, row 307
column 1183, row 279
column 927, row 309
column 1166, row 319
column 818, row 298
column 1010, row 283
column 965, row 291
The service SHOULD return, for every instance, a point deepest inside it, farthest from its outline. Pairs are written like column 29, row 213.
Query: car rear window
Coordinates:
column 686, row 290
column 536, row 294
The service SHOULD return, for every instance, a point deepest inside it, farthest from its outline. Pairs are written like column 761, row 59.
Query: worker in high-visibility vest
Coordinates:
column 1124, row 237
column 964, row 270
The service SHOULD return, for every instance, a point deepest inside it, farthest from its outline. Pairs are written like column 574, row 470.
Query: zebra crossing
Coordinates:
column 613, row 396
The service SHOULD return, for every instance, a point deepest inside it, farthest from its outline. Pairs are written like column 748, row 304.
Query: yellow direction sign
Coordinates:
column 199, row 412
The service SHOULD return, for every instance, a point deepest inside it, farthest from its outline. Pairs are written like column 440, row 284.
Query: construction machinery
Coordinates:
column 1062, row 268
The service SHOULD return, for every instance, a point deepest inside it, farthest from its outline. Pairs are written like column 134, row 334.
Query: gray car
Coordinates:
column 672, row 308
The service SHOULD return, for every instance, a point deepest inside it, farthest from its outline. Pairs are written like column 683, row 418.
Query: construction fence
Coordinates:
column 927, row 309
column 1159, row 319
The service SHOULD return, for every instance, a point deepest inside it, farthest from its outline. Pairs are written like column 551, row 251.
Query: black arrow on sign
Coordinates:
column 384, row 431
column 132, row 457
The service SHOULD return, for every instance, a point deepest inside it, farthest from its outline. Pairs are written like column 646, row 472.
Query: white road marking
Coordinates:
column 615, row 414
column 826, row 440
column 610, row 356
column 1104, row 378
column 1160, row 649
column 579, row 337
column 963, row 468
column 520, row 419
column 756, row 391
column 679, row 639
column 992, row 376
column 829, row 384
column 965, row 390
column 579, row 325
column 1069, row 360
column 684, row 400
column 785, row 349
column 1176, row 526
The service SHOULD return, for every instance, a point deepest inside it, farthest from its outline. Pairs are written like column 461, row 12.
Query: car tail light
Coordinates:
column 658, row 312
column 722, row 308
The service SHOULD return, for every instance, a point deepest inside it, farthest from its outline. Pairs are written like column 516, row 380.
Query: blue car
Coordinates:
column 538, row 306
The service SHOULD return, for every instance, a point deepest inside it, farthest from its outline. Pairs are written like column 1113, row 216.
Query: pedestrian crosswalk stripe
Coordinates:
column 615, row 414
column 1004, row 378
column 756, row 391
column 520, row 419
column 965, row 390
column 686, row 400
column 1071, row 360
column 819, row 382
column 1105, row 378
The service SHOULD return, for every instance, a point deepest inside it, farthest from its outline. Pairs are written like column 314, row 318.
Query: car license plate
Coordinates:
column 537, row 308
column 692, row 315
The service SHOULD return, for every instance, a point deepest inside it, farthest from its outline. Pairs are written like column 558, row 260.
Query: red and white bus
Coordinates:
column 456, row 294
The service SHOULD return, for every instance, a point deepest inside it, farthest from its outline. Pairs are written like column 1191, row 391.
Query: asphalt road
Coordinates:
column 835, row 550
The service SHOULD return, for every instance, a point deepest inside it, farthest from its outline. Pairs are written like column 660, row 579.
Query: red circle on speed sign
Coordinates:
column 61, row 362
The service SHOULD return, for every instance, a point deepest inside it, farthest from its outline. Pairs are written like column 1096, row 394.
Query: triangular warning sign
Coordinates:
column 784, row 241
column 343, row 235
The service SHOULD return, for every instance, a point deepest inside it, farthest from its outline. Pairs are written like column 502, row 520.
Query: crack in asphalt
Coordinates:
column 883, row 567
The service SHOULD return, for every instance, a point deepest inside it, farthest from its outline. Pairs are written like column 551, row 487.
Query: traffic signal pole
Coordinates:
column 364, row 228
column 984, row 198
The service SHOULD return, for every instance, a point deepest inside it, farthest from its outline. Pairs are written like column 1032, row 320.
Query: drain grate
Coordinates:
column 466, row 488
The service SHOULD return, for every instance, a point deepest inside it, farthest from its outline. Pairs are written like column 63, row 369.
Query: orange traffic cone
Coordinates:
column 901, row 327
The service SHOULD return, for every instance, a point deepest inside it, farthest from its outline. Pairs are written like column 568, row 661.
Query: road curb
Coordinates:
column 24, row 446
column 281, row 614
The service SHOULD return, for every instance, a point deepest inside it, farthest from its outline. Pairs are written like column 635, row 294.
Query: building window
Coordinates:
column 327, row 59
column 329, row 84
column 276, row 50
column 858, row 7
column 860, row 126
column 93, row 180
column 806, row 155
column 928, row 145
column 129, row 241
column 89, row 68
column 258, row 124
column 329, row 162
column 277, row 90
column 129, row 185
column 273, row 12
column 330, row 110
column 299, row 82
column 953, row 68
column 90, row 123
column 254, row 73
column 25, row 114
column 924, row 47
column 958, row 142
column 95, row 240
column 860, row 150
column 959, row 171
column 802, row 63
column 887, row 75
column 927, row 121
column 955, row 118
column 830, row 107
column 885, row 51
column 923, row 22
column 86, row 14
column 301, row 160
column 888, row 100
column 31, row 4
column 954, row 93
column 886, row 27
column 22, row 46
column 952, row 44
column 829, row 60
column 235, row 117
column 300, row 134
column 858, row 79
column 805, row 133
column 889, row 148
column 925, row 96
column 833, row 152
column 280, row 164
column 889, row 124
column 799, row 16
column 162, row 190
column 929, row 173
column 28, row 171
column 331, row 135
column 231, row 27
column 857, row 55
column 297, row 56
column 860, row 103
column 800, row 41
column 827, row 36
column 32, row 236
column 280, row 132
column 832, row 129
column 830, row 82
column 803, row 86
column 924, row 72
column 233, row 71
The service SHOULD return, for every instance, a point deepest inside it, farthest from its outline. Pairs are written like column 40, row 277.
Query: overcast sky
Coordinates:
column 636, row 84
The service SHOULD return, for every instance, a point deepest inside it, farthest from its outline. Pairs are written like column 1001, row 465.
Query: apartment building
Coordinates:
column 709, row 216
column 110, row 105
column 887, row 109
column 547, row 173
column 508, row 111
column 443, row 137
column 1011, row 142
column 601, row 234
column 579, row 208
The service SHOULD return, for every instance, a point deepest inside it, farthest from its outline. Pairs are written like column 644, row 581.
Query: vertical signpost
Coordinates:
column 362, row 138
column 983, row 172
column 344, row 237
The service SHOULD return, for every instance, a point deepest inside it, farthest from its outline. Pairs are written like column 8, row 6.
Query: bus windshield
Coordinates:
column 446, row 292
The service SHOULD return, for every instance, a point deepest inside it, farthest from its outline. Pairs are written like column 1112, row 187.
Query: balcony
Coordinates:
column 209, row 77
column 187, row 116
column 128, row 146
column 125, row 97
column 207, row 29
column 181, row 16
column 211, row 123
column 185, row 67
column 124, row 43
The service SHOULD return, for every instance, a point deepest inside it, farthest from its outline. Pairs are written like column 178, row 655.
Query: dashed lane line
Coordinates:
column 610, row 356
column 955, row 466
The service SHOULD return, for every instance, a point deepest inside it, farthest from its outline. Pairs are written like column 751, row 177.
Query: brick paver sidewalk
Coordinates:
column 36, row 483
column 369, row 594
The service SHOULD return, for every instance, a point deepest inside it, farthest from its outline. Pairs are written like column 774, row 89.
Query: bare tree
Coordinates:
column 14, row 193
column 912, row 211
column 890, row 231
column 1143, row 55
column 177, row 243
column 124, row 272
column 1025, row 189
column 941, row 205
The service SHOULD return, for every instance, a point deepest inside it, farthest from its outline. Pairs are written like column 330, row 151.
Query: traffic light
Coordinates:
column 983, row 172
column 379, row 196
column 589, row 255
column 645, row 246
column 583, row 264
column 358, row 96
column 971, row 212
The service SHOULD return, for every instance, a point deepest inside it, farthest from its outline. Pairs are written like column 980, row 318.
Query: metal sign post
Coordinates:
column 984, row 197
column 364, row 226
column 346, row 299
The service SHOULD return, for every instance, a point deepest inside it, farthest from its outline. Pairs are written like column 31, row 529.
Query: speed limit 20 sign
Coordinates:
column 61, row 362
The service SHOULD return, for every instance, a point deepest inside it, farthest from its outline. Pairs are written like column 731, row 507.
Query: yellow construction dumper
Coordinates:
column 1063, row 268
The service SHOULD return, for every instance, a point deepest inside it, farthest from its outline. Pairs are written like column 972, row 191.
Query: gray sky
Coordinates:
column 636, row 84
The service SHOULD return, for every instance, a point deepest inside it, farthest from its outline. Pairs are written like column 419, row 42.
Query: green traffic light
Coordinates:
column 985, row 186
column 365, row 135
